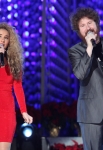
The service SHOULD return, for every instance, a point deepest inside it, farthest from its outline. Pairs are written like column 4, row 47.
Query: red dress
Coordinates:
column 7, row 105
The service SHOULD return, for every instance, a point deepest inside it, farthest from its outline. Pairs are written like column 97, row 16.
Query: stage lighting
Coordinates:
column 15, row 6
column 26, row 23
column 26, row 44
column 27, row 130
column 25, row 136
column 9, row 8
column 26, row 34
column 26, row 54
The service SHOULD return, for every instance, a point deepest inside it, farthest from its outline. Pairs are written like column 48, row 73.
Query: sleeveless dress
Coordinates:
column 7, row 104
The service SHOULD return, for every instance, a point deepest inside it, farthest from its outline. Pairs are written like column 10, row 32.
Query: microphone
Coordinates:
column 1, row 58
column 92, row 40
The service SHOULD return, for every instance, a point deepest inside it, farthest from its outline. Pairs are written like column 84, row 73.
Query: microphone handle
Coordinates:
column 93, row 42
column 1, row 59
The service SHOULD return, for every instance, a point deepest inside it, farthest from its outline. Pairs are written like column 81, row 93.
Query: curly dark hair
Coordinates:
column 83, row 12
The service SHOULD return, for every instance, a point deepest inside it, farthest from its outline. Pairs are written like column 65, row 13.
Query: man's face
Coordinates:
column 85, row 24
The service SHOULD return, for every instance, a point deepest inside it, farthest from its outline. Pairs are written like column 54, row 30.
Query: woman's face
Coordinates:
column 4, row 38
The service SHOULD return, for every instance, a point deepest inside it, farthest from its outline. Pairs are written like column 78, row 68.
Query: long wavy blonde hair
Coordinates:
column 14, row 52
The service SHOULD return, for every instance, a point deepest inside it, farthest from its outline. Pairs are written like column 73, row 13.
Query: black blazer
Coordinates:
column 90, row 73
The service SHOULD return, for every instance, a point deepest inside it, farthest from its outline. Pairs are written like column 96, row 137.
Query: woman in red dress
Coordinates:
column 10, row 78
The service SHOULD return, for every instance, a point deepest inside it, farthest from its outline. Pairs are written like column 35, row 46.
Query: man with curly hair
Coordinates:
column 87, row 62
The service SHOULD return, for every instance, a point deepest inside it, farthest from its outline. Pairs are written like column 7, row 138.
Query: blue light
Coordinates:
column 9, row 8
column 26, row 43
column 52, row 19
column 26, row 23
column 9, row 16
column 52, row 31
column 37, row 106
column 73, row 95
column 15, row 6
column 52, row 8
column 9, row 0
column 39, row 125
column 26, row 54
column 27, row 130
column 26, row 34
column 16, row 15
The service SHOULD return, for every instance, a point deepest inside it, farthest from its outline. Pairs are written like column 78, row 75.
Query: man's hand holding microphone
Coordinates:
column 91, row 41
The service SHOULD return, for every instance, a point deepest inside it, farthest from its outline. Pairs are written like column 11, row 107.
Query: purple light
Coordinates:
column 26, row 34
column 52, row 64
column 52, row 9
column 27, row 3
column 53, row 54
column 40, row 30
column 17, row 31
column 9, row 23
column 26, row 54
column 3, row 18
column 40, row 18
column 33, row 63
column 52, row 31
column 9, row 8
column 99, row 11
column 52, row 20
column 101, row 33
column 40, row 42
column 40, row 7
column 15, row 6
column 33, row 72
column 26, row 23
column 101, row 22
column 72, row 75
column 54, row 1
column 26, row 13
column 9, row 16
column 32, row 35
column 16, row 15
column 53, row 43
column 16, row 23
column 26, row 63
column 33, row 54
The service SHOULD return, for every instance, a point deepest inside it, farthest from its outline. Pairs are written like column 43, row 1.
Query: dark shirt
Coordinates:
column 98, row 51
